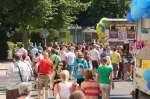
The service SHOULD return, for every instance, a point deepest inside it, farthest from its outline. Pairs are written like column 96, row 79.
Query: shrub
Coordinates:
column 10, row 48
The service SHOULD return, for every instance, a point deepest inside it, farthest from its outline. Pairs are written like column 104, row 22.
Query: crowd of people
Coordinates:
column 69, row 70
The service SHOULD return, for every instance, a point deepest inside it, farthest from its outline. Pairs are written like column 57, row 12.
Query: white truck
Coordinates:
column 142, row 67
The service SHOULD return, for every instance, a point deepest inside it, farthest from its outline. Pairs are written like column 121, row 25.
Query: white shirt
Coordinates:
column 100, row 51
column 63, row 55
column 14, row 76
column 95, row 54
column 65, row 90
column 70, row 58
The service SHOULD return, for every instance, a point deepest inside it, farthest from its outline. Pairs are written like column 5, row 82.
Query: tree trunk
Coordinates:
column 25, row 37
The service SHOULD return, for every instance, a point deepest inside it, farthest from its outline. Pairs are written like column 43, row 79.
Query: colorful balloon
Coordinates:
column 134, row 3
column 143, row 3
column 100, row 27
column 137, row 12
column 148, row 84
column 129, row 17
column 147, row 74
column 139, row 9
column 146, row 15
column 148, row 10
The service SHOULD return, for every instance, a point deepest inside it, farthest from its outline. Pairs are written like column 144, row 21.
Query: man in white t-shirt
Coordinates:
column 70, row 57
column 95, row 56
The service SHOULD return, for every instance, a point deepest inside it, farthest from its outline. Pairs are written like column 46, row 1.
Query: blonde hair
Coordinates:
column 24, row 88
column 45, row 54
column 64, row 75
column 77, row 95
column 104, row 61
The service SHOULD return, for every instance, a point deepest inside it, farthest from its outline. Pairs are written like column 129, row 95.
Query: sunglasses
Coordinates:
column 60, row 64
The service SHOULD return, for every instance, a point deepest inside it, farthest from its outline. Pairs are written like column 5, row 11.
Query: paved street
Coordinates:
column 122, row 90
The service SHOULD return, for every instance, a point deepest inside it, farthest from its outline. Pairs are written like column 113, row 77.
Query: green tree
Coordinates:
column 32, row 14
column 28, row 15
column 65, row 12
column 103, row 8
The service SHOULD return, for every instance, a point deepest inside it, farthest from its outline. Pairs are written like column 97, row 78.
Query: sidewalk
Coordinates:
column 3, row 68
column 2, row 95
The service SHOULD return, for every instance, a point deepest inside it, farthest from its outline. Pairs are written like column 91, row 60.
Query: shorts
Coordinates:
column 105, row 88
column 115, row 66
column 43, row 81
column 95, row 64
column 126, row 67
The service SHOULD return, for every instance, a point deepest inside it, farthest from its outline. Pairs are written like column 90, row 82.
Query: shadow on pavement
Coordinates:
column 121, row 96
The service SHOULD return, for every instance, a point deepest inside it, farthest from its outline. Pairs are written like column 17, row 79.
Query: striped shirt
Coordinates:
column 91, row 89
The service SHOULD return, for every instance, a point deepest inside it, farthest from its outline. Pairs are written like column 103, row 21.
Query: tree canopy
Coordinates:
column 40, row 13
column 27, row 15
column 103, row 8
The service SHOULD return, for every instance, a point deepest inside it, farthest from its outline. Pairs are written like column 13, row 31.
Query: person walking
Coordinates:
column 115, row 59
column 79, row 65
column 55, row 57
column 95, row 56
column 105, row 77
column 44, row 75
column 64, row 88
column 56, row 75
column 18, row 72
column 70, row 57
column 90, row 87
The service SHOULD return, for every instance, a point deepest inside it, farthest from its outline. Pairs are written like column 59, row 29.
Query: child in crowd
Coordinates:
column 90, row 87
column 64, row 89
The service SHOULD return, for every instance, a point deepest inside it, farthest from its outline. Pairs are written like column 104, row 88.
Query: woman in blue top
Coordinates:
column 104, row 77
column 79, row 65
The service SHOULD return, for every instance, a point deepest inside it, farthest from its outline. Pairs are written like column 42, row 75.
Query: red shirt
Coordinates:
column 45, row 66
